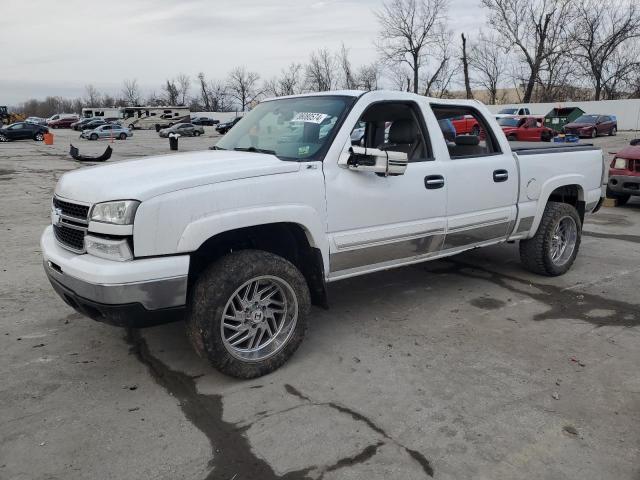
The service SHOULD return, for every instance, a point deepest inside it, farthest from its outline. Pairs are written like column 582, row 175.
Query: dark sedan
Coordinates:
column 225, row 127
column 23, row 131
column 592, row 126
column 81, row 123
column 204, row 121
column 95, row 123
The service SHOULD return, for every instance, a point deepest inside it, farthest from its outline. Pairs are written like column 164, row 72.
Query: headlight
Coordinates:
column 620, row 163
column 121, row 212
column 118, row 250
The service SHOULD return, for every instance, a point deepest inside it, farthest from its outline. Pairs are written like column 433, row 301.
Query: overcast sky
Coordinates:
column 58, row 47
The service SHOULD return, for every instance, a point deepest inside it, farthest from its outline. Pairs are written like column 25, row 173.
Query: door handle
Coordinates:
column 500, row 175
column 432, row 182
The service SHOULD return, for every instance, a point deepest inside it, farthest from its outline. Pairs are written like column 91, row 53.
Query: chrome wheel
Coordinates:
column 259, row 318
column 3, row 138
column 563, row 241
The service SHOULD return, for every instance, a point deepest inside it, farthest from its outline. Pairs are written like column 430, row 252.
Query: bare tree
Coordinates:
column 288, row 83
column 602, row 30
column 440, row 70
column 465, row 67
column 219, row 96
column 367, row 77
column 348, row 79
column 535, row 28
column 171, row 93
column 92, row 95
column 320, row 73
column 131, row 92
column 488, row 61
column 409, row 29
column 205, row 97
column 243, row 86
column 183, row 85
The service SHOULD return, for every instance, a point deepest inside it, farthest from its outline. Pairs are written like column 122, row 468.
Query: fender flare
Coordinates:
column 202, row 229
column 547, row 189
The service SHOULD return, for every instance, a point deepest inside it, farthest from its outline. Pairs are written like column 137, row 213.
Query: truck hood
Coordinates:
column 148, row 177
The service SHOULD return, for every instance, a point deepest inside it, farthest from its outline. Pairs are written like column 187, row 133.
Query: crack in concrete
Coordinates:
column 616, row 236
column 563, row 303
column 232, row 456
column 417, row 456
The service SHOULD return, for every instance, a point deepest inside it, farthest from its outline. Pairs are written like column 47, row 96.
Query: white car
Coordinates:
column 241, row 240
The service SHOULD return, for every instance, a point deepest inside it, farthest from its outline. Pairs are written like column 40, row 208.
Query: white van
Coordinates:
column 59, row 116
column 154, row 117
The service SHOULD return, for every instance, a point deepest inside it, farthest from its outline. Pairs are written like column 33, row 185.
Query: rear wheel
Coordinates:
column 248, row 313
column 196, row 133
column 554, row 247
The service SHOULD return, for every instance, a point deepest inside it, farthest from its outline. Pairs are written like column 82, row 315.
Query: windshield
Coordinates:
column 586, row 119
column 508, row 111
column 291, row 128
column 508, row 122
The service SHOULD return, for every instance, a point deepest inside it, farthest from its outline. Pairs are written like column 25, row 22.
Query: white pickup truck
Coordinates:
column 241, row 239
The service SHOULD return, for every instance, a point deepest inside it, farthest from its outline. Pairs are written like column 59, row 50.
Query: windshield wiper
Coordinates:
column 254, row 149
column 215, row 147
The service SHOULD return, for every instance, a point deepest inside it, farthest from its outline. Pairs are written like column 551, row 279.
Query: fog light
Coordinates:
column 106, row 248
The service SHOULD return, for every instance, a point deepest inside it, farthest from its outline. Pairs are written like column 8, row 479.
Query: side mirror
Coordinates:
column 374, row 160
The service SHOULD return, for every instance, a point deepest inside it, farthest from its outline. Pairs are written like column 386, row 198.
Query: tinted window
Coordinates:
column 586, row 119
column 468, row 145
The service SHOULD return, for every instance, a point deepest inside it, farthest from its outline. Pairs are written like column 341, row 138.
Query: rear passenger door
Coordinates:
column 482, row 183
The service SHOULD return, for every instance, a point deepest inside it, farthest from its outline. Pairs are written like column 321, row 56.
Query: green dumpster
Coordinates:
column 559, row 117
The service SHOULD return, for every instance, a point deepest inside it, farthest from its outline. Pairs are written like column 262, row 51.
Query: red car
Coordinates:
column 592, row 126
column 624, row 174
column 64, row 122
column 526, row 129
column 466, row 124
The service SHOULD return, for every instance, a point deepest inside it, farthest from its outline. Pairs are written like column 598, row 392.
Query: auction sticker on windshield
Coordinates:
column 309, row 117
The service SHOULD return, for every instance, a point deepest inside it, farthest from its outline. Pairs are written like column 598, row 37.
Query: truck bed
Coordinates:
column 540, row 148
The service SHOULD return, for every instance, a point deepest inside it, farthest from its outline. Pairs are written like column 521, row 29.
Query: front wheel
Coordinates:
column 3, row 138
column 248, row 313
column 613, row 132
column 123, row 136
column 38, row 137
column 554, row 247
column 93, row 136
column 196, row 133
column 594, row 133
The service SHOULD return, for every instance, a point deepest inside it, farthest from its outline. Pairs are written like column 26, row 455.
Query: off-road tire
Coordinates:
column 209, row 296
column 535, row 253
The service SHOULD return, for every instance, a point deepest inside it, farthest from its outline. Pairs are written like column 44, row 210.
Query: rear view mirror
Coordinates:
column 374, row 160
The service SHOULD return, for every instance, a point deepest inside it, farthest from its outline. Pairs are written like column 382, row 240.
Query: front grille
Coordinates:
column 71, row 209
column 72, row 224
column 71, row 238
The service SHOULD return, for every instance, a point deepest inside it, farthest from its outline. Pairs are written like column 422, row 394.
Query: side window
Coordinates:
column 464, row 143
column 393, row 126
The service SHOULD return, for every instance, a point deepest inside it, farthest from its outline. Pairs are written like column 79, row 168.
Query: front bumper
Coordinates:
column 136, row 293
column 624, row 184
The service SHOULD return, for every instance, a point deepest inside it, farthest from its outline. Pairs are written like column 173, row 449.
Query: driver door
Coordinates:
column 376, row 221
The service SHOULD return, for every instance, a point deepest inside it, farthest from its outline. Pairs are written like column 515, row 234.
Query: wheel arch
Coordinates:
column 289, row 240
column 569, row 190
